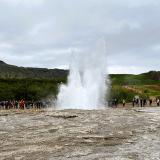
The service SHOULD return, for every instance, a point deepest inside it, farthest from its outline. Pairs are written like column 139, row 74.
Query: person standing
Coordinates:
column 124, row 102
column 21, row 104
column 133, row 102
column 16, row 104
column 150, row 102
column 144, row 102
column 116, row 102
column 158, row 101
column 141, row 102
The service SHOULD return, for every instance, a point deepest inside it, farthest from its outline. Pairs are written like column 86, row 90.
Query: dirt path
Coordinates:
column 133, row 89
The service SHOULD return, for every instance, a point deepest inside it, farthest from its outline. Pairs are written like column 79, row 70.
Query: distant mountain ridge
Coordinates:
column 11, row 71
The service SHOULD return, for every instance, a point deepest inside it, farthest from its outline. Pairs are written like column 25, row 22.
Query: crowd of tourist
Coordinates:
column 139, row 102
column 22, row 104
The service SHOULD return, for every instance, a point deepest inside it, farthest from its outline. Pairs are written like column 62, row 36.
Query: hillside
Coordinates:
column 38, row 83
column 126, row 86
column 152, row 77
column 29, row 83
column 15, row 72
column 11, row 71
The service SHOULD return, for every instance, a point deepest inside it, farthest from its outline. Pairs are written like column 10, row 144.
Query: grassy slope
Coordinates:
column 29, row 89
column 10, row 71
column 38, row 83
column 127, row 85
column 123, row 86
column 29, row 83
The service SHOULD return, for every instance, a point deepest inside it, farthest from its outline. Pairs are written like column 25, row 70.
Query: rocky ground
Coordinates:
column 111, row 134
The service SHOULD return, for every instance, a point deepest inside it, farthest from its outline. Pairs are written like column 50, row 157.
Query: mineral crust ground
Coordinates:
column 110, row 134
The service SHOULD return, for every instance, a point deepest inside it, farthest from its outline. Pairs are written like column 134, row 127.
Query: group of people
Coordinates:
column 142, row 102
column 139, row 102
column 22, row 104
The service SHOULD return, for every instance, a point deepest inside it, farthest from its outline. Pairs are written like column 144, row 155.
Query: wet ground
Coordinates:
column 111, row 134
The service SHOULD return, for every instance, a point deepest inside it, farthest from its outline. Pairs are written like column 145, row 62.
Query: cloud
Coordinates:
column 41, row 33
column 24, row 3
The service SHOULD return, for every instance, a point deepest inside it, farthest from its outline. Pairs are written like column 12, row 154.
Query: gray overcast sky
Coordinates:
column 42, row 33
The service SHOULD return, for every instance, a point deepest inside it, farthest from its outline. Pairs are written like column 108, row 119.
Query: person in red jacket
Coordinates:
column 21, row 104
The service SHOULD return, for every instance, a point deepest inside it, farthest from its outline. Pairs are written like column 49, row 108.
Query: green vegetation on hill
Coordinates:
column 10, row 71
column 126, row 86
column 29, row 89
column 29, row 83
column 39, row 83
column 151, row 77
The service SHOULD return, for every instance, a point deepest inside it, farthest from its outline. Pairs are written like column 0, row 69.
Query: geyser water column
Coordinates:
column 86, row 87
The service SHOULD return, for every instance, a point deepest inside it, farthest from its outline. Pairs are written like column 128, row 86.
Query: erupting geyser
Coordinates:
column 86, row 87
